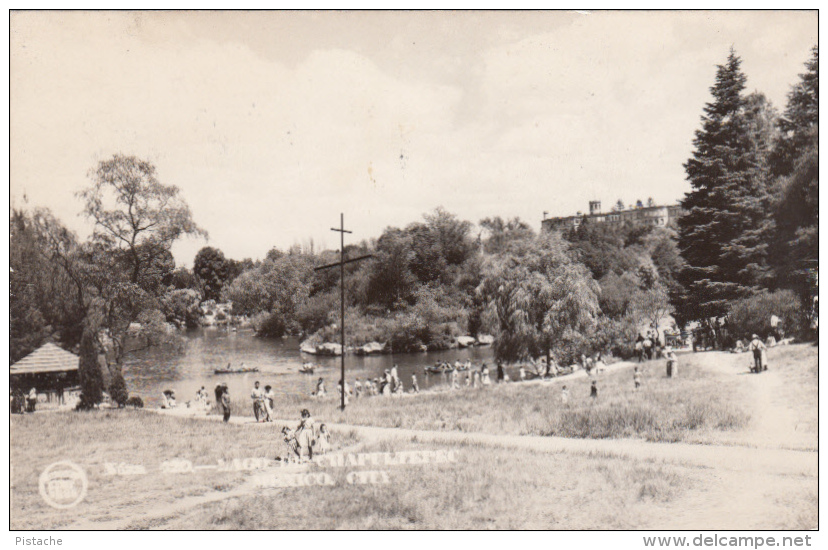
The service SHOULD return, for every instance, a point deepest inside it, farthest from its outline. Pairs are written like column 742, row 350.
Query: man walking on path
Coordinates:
column 757, row 347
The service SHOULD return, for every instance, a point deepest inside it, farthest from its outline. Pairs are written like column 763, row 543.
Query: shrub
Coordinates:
column 269, row 324
column 135, row 401
column 752, row 315
column 118, row 390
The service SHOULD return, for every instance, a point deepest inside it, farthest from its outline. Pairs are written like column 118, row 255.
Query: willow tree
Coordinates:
column 539, row 301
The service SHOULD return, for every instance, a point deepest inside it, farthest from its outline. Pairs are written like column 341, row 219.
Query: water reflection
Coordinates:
column 149, row 372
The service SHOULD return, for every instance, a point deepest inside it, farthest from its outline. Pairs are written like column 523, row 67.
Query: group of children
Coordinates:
column 306, row 440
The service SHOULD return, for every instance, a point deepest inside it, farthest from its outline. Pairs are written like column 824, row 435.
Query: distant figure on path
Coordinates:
column 672, row 362
column 564, row 395
column 31, row 400
column 593, row 390
column 225, row 402
column 758, row 348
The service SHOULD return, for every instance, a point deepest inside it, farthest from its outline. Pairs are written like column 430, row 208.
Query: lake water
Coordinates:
column 150, row 372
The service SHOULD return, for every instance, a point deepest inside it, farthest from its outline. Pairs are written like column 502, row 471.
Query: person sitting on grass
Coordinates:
column 637, row 378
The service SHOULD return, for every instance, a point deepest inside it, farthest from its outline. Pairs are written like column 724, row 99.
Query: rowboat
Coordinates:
column 238, row 370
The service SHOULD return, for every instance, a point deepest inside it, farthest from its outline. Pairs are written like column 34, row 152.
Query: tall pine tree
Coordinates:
column 796, row 160
column 724, row 233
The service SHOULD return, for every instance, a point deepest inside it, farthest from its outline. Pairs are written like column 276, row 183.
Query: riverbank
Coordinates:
column 695, row 404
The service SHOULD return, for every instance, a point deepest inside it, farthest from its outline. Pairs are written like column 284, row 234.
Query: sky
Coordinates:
column 274, row 123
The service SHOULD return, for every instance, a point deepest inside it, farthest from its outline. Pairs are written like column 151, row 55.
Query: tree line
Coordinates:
column 748, row 238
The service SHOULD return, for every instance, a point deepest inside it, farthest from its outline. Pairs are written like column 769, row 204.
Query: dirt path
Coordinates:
column 774, row 424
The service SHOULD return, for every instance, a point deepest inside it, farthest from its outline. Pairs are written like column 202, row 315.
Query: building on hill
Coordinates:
column 651, row 214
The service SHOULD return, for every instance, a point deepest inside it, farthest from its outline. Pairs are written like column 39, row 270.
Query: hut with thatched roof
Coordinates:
column 49, row 369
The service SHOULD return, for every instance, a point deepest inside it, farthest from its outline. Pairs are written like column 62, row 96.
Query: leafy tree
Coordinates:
column 651, row 304
column 391, row 281
column 619, row 206
column 616, row 292
column 212, row 271
column 137, row 220
column 500, row 232
column 181, row 278
column 181, row 307
column 135, row 213
column 723, row 234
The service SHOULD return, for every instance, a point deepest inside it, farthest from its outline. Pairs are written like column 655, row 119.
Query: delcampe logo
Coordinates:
column 63, row 484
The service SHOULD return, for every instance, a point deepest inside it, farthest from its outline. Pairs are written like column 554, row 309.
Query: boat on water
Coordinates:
column 441, row 369
column 235, row 370
column 307, row 368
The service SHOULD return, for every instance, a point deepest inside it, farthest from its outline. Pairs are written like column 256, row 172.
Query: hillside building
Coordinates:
column 651, row 214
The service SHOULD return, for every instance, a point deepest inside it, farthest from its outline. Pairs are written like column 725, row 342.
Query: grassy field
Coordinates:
column 92, row 439
column 488, row 486
column 485, row 489
column 799, row 367
column 665, row 409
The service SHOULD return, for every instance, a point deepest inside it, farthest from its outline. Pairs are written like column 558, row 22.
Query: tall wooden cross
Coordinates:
column 341, row 263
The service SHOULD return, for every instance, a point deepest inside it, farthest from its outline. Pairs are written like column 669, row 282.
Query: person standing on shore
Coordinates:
column 258, row 401
column 268, row 403
column 415, row 388
column 225, row 402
